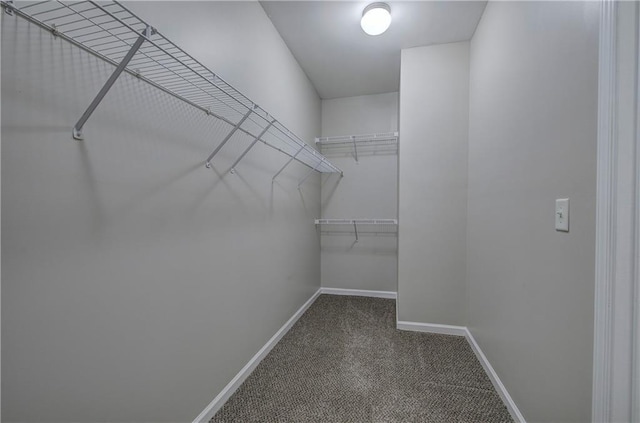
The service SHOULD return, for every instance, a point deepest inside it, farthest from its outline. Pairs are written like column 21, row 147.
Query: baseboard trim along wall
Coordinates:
column 432, row 328
column 464, row 331
column 242, row 375
column 359, row 292
column 497, row 383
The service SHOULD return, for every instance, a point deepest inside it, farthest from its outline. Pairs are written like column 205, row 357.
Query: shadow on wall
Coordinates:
column 329, row 186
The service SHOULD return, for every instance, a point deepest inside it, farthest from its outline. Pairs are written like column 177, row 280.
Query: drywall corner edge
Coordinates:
column 359, row 293
column 217, row 403
column 495, row 380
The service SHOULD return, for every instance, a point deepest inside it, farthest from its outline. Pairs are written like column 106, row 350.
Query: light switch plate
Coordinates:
column 562, row 214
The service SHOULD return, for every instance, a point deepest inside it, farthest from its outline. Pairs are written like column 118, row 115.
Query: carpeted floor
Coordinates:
column 344, row 361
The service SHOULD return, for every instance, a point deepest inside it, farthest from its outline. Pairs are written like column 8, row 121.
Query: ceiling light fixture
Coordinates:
column 376, row 18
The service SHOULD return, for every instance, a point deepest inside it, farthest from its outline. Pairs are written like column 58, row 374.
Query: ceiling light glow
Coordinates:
column 376, row 18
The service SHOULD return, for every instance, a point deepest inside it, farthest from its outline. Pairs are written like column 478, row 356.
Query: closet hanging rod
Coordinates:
column 109, row 31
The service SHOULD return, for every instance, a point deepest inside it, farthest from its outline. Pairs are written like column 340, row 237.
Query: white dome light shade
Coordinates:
column 376, row 18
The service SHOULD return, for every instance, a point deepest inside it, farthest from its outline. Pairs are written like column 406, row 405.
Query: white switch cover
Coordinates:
column 562, row 214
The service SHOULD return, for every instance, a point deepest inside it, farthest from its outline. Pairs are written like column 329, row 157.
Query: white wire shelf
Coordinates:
column 383, row 138
column 358, row 226
column 110, row 31
column 386, row 141
column 392, row 222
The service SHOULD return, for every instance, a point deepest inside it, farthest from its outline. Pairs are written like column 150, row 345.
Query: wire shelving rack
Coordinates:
column 385, row 139
column 111, row 32
column 358, row 226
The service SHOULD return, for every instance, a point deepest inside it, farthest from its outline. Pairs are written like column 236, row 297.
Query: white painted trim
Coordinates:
column 359, row 293
column 635, row 360
column 495, row 380
column 242, row 375
column 432, row 328
column 606, row 208
column 488, row 368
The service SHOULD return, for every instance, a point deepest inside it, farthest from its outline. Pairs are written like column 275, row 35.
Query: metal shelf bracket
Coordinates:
column 8, row 9
column 355, row 152
column 287, row 163
column 244, row 153
column 77, row 129
column 228, row 137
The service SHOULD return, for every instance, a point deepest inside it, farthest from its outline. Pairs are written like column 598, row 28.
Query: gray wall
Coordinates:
column 532, row 140
column 136, row 283
column 432, row 204
column 369, row 189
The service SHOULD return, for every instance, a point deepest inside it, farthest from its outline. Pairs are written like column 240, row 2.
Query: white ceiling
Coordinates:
column 342, row 61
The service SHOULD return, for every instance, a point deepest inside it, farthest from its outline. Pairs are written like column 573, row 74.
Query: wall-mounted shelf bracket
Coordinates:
column 244, row 153
column 287, row 163
column 228, row 137
column 355, row 229
column 8, row 7
column 355, row 151
column 77, row 129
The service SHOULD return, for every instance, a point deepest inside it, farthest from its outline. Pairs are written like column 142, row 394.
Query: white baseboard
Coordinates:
column 497, row 383
column 359, row 292
column 242, row 375
column 432, row 328
column 464, row 331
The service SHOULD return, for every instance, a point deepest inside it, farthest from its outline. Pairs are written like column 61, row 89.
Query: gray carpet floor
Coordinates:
column 344, row 361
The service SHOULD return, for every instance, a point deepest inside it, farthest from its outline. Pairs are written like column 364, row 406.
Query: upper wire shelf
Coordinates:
column 384, row 137
column 358, row 226
column 388, row 141
column 113, row 33
column 356, row 221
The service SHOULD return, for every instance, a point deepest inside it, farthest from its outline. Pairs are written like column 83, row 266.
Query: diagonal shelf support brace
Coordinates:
column 228, row 137
column 355, row 148
column 287, row 163
column 77, row 129
column 355, row 229
column 264, row 131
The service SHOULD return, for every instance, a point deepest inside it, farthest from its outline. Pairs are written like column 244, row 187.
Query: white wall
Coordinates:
column 434, row 110
column 532, row 139
column 136, row 283
column 369, row 189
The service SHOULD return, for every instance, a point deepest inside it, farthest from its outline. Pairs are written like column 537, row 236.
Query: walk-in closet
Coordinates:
column 319, row 211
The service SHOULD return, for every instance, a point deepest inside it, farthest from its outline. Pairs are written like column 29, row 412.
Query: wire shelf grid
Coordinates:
column 385, row 227
column 379, row 138
column 357, row 221
column 109, row 31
